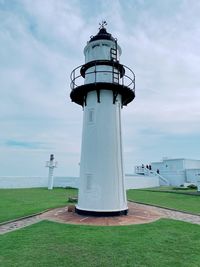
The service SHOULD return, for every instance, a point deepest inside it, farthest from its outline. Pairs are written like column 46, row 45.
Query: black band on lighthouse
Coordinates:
column 101, row 213
column 114, row 64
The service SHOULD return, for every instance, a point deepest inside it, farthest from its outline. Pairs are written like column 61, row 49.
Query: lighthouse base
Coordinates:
column 101, row 213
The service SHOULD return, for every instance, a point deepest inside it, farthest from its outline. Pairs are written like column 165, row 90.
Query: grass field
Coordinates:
column 173, row 189
column 164, row 243
column 180, row 202
column 16, row 203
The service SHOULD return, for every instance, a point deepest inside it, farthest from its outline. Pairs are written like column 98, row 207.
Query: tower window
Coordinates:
column 88, row 181
column 95, row 46
column 91, row 115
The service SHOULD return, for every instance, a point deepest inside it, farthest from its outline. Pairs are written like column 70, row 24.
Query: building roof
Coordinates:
column 168, row 159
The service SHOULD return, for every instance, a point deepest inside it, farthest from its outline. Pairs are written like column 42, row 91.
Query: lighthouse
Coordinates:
column 102, row 86
column 51, row 164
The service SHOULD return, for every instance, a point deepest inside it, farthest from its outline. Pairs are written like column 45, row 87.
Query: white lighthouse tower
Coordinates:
column 51, row 164
column 102, row 86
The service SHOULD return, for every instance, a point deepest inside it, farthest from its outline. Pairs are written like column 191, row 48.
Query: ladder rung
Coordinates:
column 113, row 53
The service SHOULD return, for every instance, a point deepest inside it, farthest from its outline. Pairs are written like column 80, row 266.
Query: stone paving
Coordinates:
column 12, row 226
column 138, row 213
column 171, row 214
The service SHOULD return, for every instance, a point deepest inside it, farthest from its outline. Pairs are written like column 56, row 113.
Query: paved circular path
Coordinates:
column 138, row 214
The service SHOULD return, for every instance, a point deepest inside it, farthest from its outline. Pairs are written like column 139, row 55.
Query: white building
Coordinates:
column 178, row 171
column 131, row 181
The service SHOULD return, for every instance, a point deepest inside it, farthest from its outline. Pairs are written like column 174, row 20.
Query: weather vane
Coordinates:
column 102, row 24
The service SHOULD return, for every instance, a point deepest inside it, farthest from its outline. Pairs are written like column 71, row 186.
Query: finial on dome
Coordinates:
column 102, row 34
column 102, row 24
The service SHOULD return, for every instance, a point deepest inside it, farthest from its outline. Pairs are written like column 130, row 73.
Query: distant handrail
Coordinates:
column 127, row 80
column 145, row 171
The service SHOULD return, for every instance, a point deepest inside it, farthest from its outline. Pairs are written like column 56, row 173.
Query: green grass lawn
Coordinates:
column 173, row 189
column 182, row 202
column 164, row 243
column 15, row 203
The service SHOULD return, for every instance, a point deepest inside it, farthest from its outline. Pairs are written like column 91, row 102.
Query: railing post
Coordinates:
column 73, row 79
column 95, row 70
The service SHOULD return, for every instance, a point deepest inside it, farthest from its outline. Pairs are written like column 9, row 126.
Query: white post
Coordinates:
column 51, row 165
column 198, row 185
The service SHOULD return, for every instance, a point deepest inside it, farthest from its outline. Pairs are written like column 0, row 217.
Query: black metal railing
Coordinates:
column 127, row 78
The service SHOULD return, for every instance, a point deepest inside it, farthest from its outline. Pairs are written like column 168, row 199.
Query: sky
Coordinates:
column 42, row 41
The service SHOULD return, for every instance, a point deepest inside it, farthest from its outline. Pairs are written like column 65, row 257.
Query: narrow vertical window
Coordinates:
column 91, row 116
column 88, row 181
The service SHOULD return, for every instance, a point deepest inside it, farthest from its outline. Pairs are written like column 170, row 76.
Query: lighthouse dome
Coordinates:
column 102, row 35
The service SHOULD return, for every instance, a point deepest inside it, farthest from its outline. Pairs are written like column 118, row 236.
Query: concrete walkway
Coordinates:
column 172, row 214
column 15, row 225
column 138, row 214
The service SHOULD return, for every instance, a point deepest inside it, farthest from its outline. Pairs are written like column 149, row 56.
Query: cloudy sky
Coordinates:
column 41, row 41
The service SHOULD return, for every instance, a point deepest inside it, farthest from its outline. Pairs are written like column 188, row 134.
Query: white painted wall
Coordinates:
column 177, row 171
column 168, row 165
column 140, row 181
column 37, row 181
column 193, row 175
column 101, row 167
column 175, row 178
column 131, row 182
column 174, row 164
column 192, row 164
column 157, row 166
column 172, row 170
column 100, row 49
